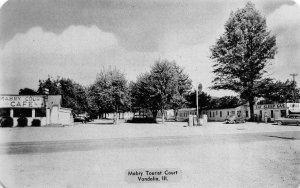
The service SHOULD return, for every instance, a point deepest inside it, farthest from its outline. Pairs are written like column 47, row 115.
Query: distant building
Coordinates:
column 269, row 111
column 183, row 113
column 221, row 114
column 46, row 108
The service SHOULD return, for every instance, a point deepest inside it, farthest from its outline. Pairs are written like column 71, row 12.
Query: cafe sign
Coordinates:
column 21, row 101
column 271, row 106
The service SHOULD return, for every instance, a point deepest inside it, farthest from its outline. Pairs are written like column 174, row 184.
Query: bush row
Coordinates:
column 22, row 122
column 142, row 120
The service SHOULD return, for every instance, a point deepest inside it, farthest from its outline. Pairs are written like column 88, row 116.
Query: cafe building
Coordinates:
column 274, row 111
column 46, row 108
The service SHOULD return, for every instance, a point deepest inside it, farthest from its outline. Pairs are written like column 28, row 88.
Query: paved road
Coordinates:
column 12, row 148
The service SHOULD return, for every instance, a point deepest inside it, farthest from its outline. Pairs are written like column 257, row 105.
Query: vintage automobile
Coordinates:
column 290, row 119
column 234, row 119
column 81, row 119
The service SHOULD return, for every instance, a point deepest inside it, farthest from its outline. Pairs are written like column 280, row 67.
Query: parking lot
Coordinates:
column 99, row 153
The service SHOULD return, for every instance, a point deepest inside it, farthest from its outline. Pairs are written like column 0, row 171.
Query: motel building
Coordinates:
column 222, row 114
column 261, row 112
column 46, row 108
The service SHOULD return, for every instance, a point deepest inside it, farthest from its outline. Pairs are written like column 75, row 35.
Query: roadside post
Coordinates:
column 198, row 90
column 46, row 93
column 190, row 120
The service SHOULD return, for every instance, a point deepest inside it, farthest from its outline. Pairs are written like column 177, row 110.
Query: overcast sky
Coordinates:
column 77, row 38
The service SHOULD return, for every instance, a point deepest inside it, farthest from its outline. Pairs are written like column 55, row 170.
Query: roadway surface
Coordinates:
column 109, row 143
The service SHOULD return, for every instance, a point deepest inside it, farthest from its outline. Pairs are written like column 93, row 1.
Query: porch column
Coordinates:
column 11, row 112
column 33, row 113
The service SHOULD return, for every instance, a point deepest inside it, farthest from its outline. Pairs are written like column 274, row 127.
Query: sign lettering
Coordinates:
column 26, row 101
column 270, row 106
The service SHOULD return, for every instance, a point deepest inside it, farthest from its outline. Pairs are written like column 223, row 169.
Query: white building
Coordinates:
column 183, row 113
column 221, row 114
column 269, row 111
column 273, row 111
column 46, row 108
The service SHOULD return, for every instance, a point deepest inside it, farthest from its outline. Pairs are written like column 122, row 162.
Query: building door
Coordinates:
column 260, row 115
column 283, row 113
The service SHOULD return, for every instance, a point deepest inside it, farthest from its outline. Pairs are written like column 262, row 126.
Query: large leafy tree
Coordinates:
column 164, row 87
column 109, row 92
column 182, row 89
column 242, row 53
column 143, row 95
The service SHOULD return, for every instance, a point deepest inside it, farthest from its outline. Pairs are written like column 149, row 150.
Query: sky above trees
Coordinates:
column 76, row 39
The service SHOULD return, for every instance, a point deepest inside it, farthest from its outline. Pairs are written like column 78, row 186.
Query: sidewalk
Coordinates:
column 104, row 129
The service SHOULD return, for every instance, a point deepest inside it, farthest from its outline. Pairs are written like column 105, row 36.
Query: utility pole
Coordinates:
column 294, row 87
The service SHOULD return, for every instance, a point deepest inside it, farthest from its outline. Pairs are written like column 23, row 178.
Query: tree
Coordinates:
column 229, row 102
column 109, row 92
column 208, row 102
column 143, row 95
column 27, row 91
column 204, row 100
column 242, row 53
column 73, row 94
column 51, row 84
column 278, row 91
column 182, row 89
column 164, row 87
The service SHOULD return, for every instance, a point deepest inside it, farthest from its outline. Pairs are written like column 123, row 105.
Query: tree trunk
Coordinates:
column 154, row 113
column 251, row 105
column 176, row 114
column 163, row 116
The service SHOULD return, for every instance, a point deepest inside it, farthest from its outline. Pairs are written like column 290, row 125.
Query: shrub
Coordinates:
column 22, row 121
column 142, row 120
column 36, row 123
column 7, row 122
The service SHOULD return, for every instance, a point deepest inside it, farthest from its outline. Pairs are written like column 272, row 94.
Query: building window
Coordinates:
column 216, row 113
column 40, row 112
column 209, row 114
column 272, row 114
column 4, row 112
column 227, row 113
column 213, row 114
column 220, row 113
column 22, row 112
column 247, row 115
column 282, row 113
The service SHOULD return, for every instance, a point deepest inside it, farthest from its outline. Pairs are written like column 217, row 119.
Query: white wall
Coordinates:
column 221, row 114
column 183, row 114
column 65, row 116
column 54, row 115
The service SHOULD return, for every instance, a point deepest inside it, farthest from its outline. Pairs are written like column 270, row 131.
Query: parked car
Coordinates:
column 234, row 119
column 290, row 119
column 80, row 119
